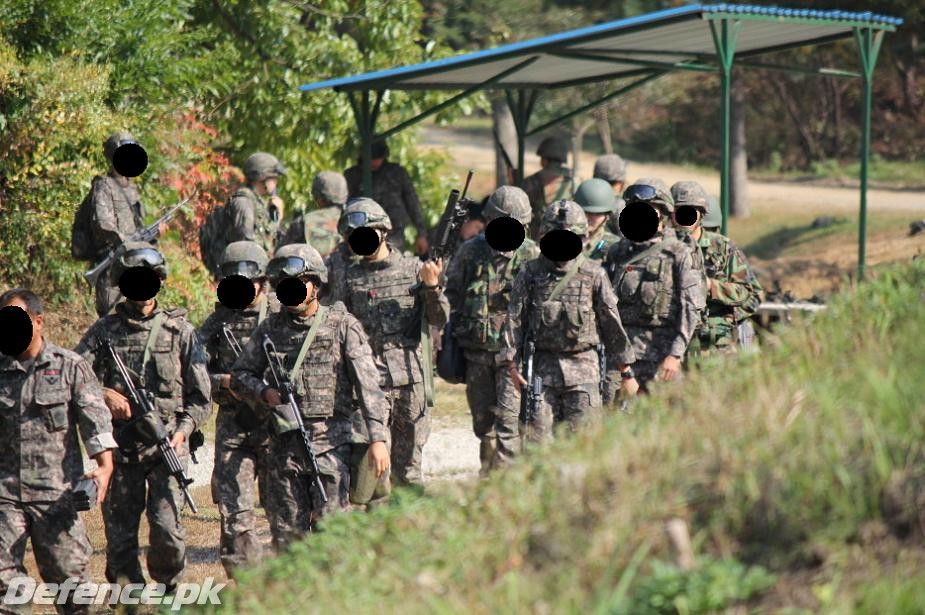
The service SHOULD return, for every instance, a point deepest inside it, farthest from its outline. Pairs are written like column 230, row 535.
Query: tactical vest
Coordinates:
column 320, row 229
column 265, row 229
column 564, row 321
column 241, row 324
column 644, row 282
column 126, row 207
column 383, row 299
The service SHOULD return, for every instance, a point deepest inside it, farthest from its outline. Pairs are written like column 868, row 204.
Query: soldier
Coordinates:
column 318, row 227
column 389, row 293
column 252, row 218
column 478, row 287
column 567, row 309
column 598, row 202
column 328, row 357
column 733, row 291
column 47, row 395
column 612, row 169
column 393, row 190
column 241, row 438
column 660, row 289
column 552, row 182
column 161, row 350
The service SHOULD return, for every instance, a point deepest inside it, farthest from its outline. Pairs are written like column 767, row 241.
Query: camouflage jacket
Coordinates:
column 240, row 324
column 542, row 194
column 117, row 211
column 42, row 407
column 337, row 263
column 317, row 228
column 733, row 291
column 338, row 363
column 392, row 188
column 176, row 373
column 387, row 298
column 479, row 280
column 250, row 220
column 661, row 292
column 599, row 243
column 583, row 315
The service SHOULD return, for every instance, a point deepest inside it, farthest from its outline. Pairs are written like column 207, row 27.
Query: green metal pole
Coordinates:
column 869, row 47
column 725, row 42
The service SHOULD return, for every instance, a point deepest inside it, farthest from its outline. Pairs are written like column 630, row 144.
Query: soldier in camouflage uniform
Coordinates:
column 661, row 290
column 393, row 190
column 318, row 227
column 478, row 287
column 117, row 214
column 733, row 291
column 552, row 182
column 389, row 293
column 597, row 199
column 161, row 350
column 251, row 217
column 568, row 309
column 612, row 169
column 329, row 360
column 241, row 438
column 47, row 395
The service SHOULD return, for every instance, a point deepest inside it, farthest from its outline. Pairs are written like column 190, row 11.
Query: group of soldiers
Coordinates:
column 350, row 317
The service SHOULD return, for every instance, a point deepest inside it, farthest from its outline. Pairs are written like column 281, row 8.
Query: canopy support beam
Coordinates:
column 724, row 38
column 869, row 43
column 366, row 125
column 521, row 104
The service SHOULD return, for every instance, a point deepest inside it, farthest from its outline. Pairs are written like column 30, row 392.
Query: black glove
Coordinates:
column 84, row 494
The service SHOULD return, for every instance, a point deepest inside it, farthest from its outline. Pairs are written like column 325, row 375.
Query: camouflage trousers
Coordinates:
column 240, row 469
column 292, row 506
column 148, row 488
column 571, row 393
column 409, row 426
column 106, row 296
column 507, row 425
column 483, row 379
column 59, row 542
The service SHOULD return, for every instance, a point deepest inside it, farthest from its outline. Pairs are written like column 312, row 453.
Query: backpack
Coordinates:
column 213, row 239
column 82, row 247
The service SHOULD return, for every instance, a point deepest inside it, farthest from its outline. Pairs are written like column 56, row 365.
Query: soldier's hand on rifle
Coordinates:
column 378, row 456
column 161, row 229
column 669, row 368
column 118, row 404
column 422, row 245
column 176, row 442
column 430, row 272
column 272, row 397
column 277, row 202
column 516, row 377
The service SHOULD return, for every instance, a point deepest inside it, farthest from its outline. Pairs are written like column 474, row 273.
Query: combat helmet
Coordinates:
column 553, row 148
column 295, row 260
column 596, row 197
column 244, row 258
column 363, row 211
column 714, row 216
column 691, row 194
column 611, row 168
column 565, row 215
column 261, row 165
column 330, row 186
column 650, row 190
column 116, row 140
column 136, row 254
column 508, row 201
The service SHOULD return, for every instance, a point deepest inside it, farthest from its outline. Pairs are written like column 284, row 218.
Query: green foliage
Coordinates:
column 892, row 596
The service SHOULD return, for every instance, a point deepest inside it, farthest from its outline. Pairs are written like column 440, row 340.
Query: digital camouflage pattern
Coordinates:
column 241, row 438
column 338, row 367
column 177, row 376
column 479, row 281
column 317, row 228
column 249, row 220
column 386, row 297
column 566, row 330
column 394, row 191
column 610, row 168
column 43, row 406
column 662, row 298
column 337, row 262
column 544, row 187
column 599, row 243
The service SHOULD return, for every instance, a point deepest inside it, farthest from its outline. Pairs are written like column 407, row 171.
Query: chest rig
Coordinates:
column 383, row 299
column 561, row 308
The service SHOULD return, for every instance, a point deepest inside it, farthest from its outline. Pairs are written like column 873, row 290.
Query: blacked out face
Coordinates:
column 236, row 292
column 639, row 221
column 364, row 241
column 686, row 216
column 505, row 234
column 17, row 330
column 291, row 292
column 139, row 283
column 130, row 160
column 561, row 245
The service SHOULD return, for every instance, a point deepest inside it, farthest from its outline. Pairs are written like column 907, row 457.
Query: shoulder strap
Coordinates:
column 262, row 312
column 569, row 275
column 296, row 372
column 159, row 319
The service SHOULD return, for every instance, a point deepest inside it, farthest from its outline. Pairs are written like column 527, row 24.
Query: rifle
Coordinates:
column 147, row 235
column 142, row 406
column 455, row 213
column 285, row 387
column 530, row 398
column 232, row 342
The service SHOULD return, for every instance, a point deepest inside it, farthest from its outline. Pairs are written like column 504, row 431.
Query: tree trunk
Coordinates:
column 602, row 118
column 505, row 140
column 579, row 128
column 738, row 168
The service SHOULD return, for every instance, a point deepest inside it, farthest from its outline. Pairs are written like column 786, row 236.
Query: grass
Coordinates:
column 768, row 460
column 898, row 174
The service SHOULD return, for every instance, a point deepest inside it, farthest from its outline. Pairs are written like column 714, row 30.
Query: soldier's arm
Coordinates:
column 733, row 288
column 247, row 372
column 436, row 306
column 616, row 342
column 207, row 334
column 455, row 278
column 690, row 290
column 412, row 203
column 242, row 220
column 755, row 291
column 197, row 392
column 104, row 214
column 512, row 331
column 93, row 417
column 362, row 369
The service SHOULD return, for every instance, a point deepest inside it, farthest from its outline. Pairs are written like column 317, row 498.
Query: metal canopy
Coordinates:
column 708, row 38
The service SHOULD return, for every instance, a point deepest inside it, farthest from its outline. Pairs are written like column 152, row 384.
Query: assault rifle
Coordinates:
column 232, row 342
column 285, row 388
column 530, row 397
column 455, row 213
column 147, row 235
column 143, row 409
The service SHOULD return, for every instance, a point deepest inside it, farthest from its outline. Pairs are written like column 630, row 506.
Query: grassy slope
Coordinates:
column 773, row 462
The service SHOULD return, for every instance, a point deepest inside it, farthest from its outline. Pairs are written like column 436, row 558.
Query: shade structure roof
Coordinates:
column 679, row 38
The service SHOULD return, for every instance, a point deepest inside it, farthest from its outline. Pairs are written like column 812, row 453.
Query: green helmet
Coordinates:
column 116, row 139
column 262, row 165
column 596, row 197
column 136, row 254
column 650, row 190
column 244, row 258
column 691, row 194
column 363, row 211
column 508, row 201
column 297, row 259
column 565, row 215
column 553, row 148
column 714, row 216
column 330, row 186
column 611, row 168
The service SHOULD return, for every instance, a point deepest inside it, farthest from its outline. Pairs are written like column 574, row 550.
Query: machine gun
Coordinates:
column 530, row 398
column 455, row 213
column 147, row 235
column 284, row 386
column 143, row 411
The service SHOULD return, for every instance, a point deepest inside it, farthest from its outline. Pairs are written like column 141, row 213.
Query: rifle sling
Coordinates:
column 295, row 375
column 564, row 281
